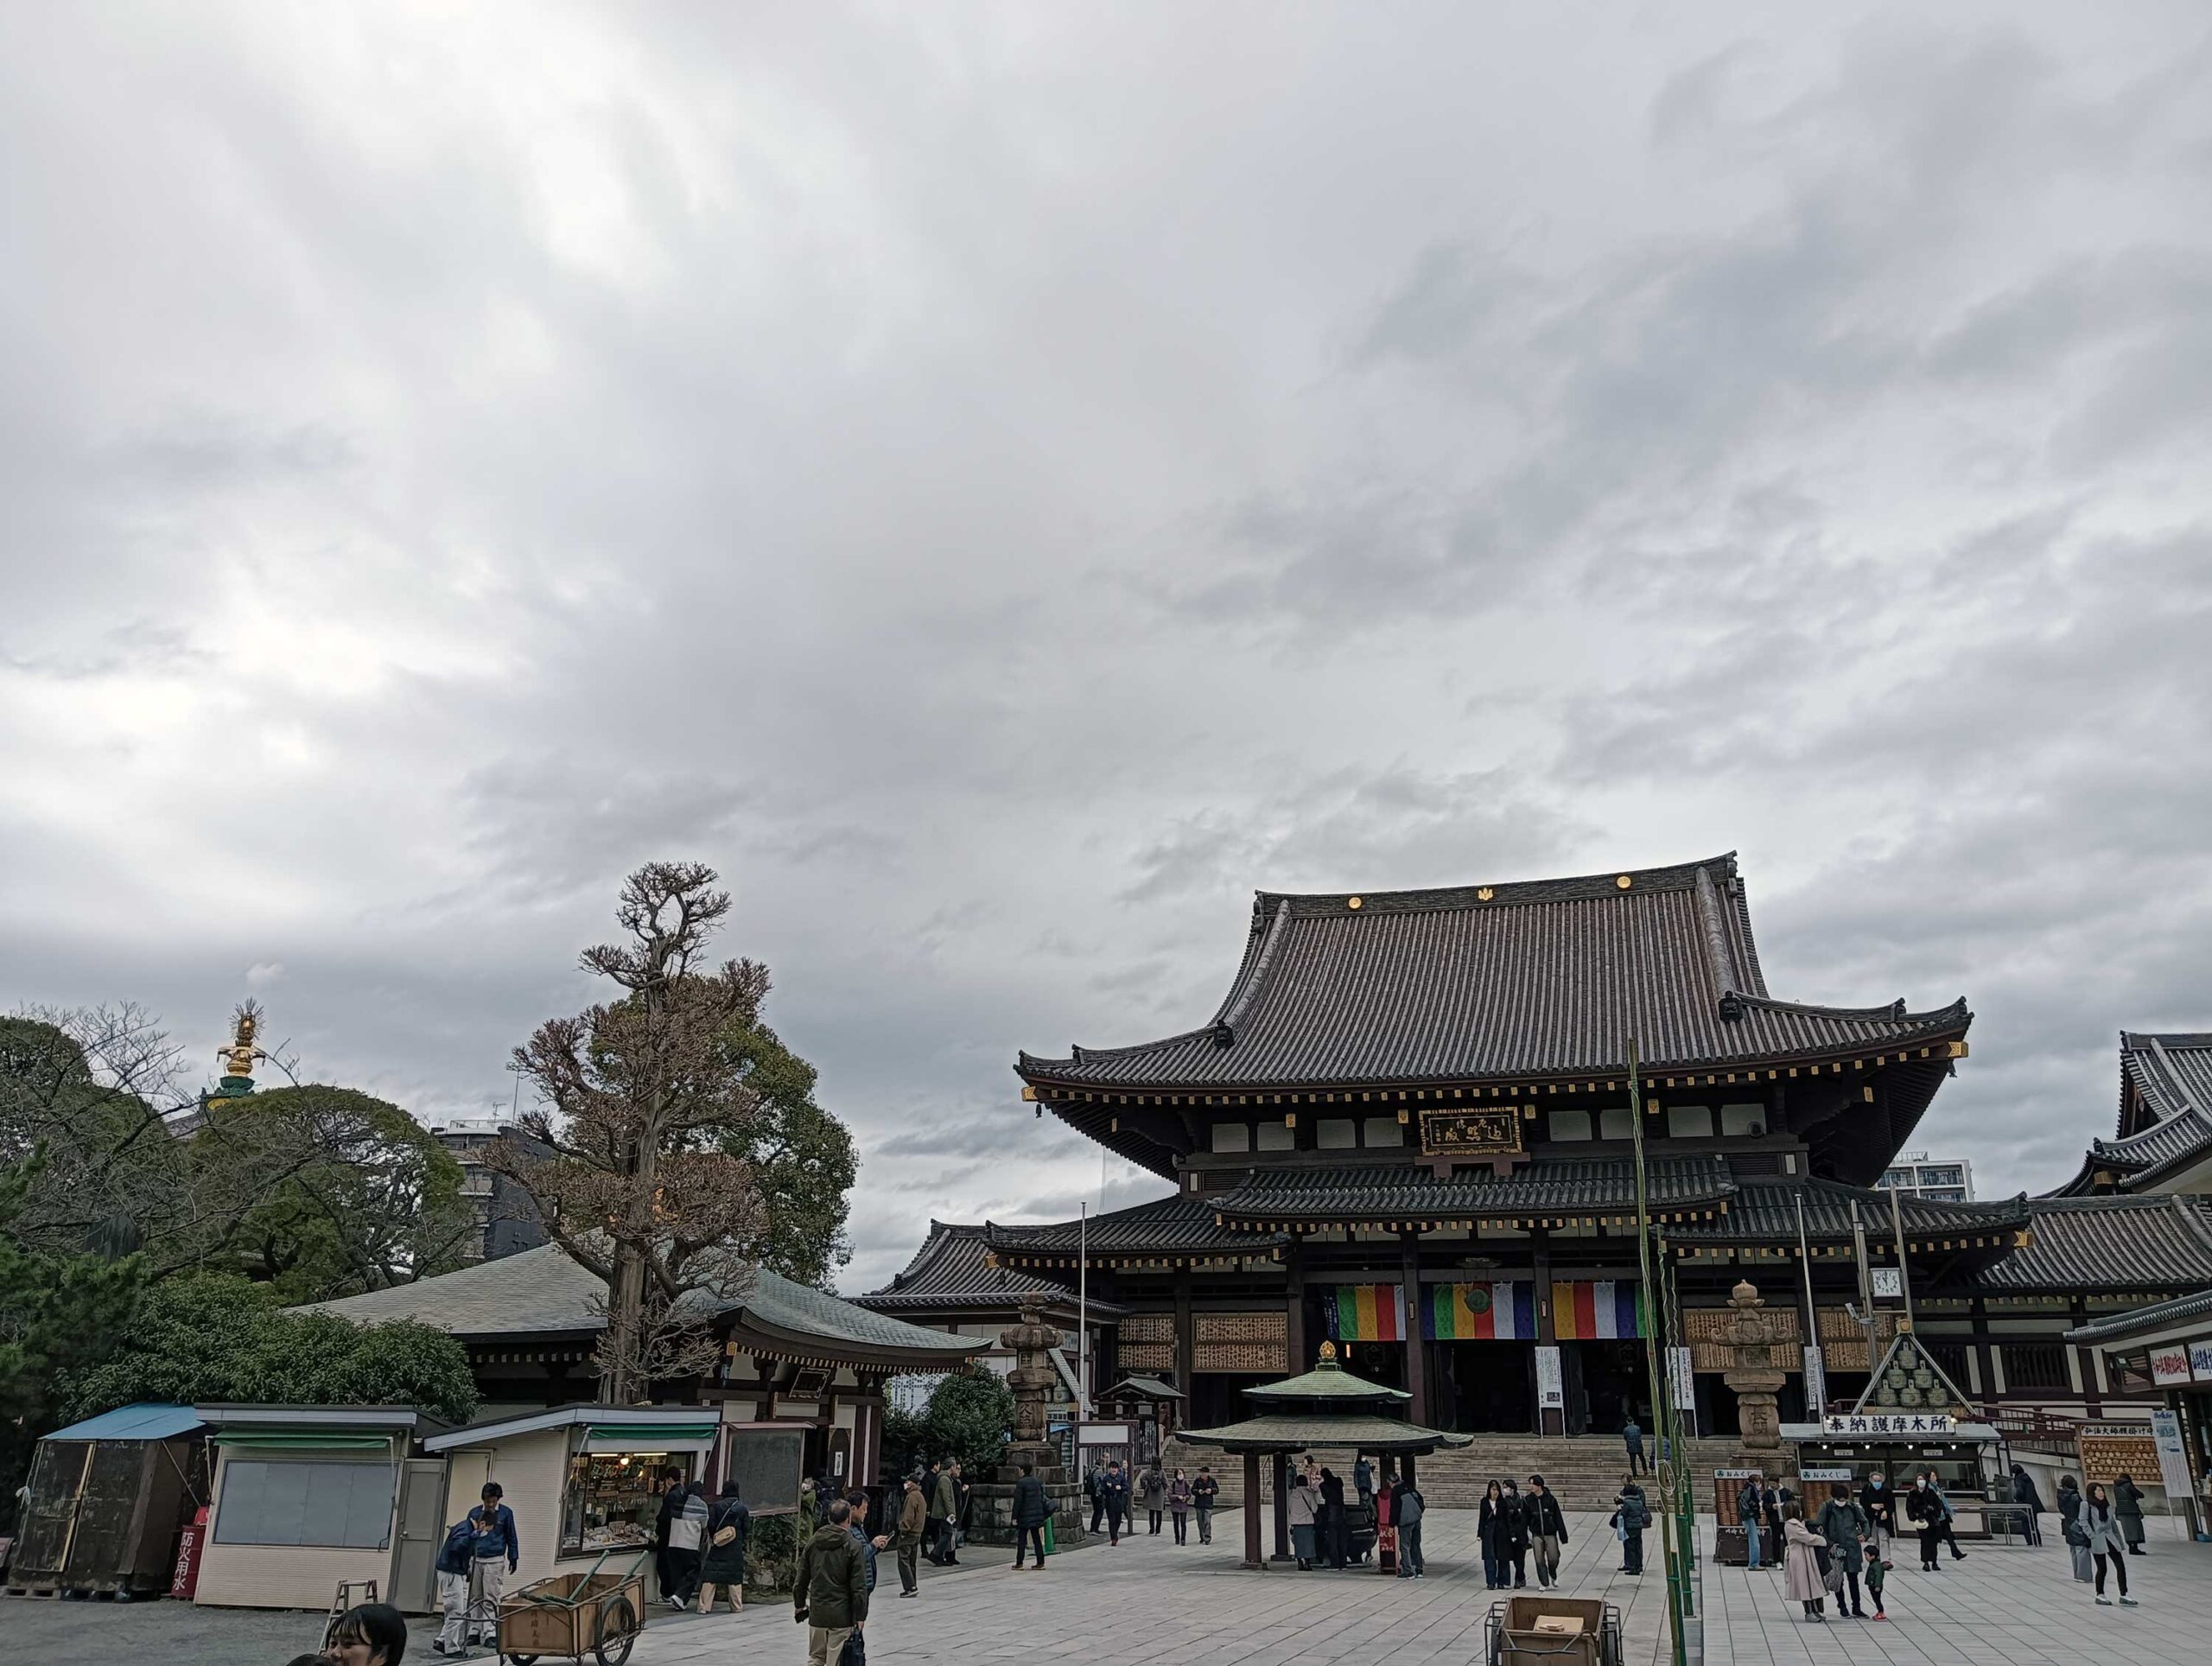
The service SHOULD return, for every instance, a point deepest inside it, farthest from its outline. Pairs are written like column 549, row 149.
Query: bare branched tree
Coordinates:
column 635, row 1097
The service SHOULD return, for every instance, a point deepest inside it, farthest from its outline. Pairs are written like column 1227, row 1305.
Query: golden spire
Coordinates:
column 241, row 1054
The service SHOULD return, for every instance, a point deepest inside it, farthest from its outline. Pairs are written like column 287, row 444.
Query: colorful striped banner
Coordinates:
column 1503, row 1311
column 1594, row 1311
column 1364, row 1313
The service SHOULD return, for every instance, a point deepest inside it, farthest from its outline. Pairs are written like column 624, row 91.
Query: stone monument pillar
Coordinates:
column 991, row 1520
column 1757, row 1375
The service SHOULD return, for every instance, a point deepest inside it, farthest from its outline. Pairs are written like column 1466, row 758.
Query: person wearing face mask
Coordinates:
column 2100, row 1527
column 1881, row 1507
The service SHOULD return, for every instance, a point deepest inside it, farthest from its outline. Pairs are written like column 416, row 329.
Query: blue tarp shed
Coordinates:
column 147, row 1420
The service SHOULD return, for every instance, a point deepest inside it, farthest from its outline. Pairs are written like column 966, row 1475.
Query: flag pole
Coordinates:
column 1652, row 1341
column 1082, row 1323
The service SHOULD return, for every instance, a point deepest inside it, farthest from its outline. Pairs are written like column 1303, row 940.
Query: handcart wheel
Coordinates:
column 618, row 1630
column 521, row 1660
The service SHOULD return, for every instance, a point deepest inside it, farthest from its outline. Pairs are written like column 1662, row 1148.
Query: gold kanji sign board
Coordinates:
column 1492, row 1133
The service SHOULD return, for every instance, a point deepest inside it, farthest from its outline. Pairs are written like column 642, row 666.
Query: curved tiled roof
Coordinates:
column 2137, row 1245
column 2165, row 1115
column 543, row 1292
column 1543, row 978
column 2172, row 1071
column 1766, row 1211
column 2178, row 1311
column 1180, row 1226
column 953, row 1269
column 1410, row 1193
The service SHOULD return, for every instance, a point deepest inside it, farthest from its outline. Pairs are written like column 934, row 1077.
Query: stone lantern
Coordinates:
column 1756, row 1375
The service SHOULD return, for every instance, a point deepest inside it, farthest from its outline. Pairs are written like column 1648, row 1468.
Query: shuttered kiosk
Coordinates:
column 308, row 1498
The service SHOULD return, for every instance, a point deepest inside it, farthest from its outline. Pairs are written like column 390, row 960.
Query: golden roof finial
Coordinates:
column 240, row 1055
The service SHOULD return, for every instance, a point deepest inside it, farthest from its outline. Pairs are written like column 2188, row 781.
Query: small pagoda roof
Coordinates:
column 1326, row 1407
column 1296, row 1432
column 1328, row 1387
column 1510, row 982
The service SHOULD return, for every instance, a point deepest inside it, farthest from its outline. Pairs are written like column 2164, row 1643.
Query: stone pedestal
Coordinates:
column 1757, row 1375
column 990, row 1503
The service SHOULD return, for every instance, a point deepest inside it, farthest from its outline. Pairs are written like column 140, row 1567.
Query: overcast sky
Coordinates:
column 1003, row 483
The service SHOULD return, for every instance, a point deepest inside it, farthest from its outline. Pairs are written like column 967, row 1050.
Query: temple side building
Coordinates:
column 1406, row 1129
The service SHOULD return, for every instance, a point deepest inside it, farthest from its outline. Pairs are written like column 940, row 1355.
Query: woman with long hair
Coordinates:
column 2100, row 1526
column 1489, row 1524
column 1801, row 1566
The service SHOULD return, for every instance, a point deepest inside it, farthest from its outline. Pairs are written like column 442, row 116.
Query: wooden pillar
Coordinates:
column 1294, row 1308
column 1416, row 1356
column 1282, row 1506
column 1252, row 1510
column 1549, row 1421
column 1187, row 1347
column 1409, row 1469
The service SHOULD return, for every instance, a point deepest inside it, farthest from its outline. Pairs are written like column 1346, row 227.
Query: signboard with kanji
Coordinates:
column 1495, row 1132
column 2108, row 1451
column 1887, row 1422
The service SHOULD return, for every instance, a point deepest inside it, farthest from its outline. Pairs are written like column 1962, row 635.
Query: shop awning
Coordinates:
column 303, row 1440
column 650, row 1437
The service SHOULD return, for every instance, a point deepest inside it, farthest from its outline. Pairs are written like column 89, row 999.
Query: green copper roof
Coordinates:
column 1327, row 1387
column 1355, row 1430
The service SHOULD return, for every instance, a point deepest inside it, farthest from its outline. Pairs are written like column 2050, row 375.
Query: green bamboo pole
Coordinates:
column 1654, row 1367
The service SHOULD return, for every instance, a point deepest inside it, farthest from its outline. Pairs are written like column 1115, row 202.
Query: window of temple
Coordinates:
column 1740, row 1122
column 1690, row 1121
column 1616, row 1122
column 1337, row 1133
column 1383, row 1131
column 1232, row 1137
column 1569, row 1125
column 1277, row 1136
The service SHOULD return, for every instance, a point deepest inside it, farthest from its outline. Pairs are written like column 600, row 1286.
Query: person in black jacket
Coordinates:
column 1880, row 1501
column 1204, row 1491
column 1332, row 1523
column 1546, row 1527
column 1406, row 1509
column 1489, row 1522
column 2030, row 1504
column 671, row 1500
column 1513, row 1537
column 721, row 1556
column 1031, row 1509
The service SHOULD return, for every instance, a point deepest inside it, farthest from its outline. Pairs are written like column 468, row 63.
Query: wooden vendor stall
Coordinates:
column 107, row 1498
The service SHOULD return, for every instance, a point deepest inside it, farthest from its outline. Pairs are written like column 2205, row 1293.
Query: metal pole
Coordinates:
column 1817, row 1405
column 1651, row 1337
column 1865, row 1280
column 1082, row 1323
column 1905, row 1273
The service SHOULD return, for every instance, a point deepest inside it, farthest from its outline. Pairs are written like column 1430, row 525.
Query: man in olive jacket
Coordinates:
column 830, row 1591
column 947, row 1512
column 913, row 1518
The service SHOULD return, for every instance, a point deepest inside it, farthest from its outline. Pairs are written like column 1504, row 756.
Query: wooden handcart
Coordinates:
column 575, row 1615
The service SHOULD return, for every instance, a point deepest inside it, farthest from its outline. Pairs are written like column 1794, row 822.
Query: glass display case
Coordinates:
column 612, row 1499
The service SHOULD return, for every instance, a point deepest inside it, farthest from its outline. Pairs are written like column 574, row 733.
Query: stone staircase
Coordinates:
column 1585, row 1470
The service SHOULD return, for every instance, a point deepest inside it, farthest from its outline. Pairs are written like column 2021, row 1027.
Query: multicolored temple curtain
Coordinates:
column 1364, row 1313
column 1503, row 1311
column 1589, row 1311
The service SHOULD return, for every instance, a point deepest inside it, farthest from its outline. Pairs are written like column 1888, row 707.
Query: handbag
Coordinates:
column 725, row 1533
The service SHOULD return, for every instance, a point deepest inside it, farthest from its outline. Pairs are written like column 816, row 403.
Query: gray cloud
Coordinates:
column 1005, row 492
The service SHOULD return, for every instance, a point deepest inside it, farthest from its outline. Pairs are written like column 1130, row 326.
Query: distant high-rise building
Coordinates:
column 508, row 1214
column 1939, row 1179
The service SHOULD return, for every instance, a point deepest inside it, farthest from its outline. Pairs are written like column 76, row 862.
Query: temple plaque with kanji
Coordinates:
column 1494, row 1133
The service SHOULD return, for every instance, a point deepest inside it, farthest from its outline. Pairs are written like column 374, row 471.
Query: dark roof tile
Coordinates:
column 2145, row 1244
column 1543, row 978
column 1406, row 1191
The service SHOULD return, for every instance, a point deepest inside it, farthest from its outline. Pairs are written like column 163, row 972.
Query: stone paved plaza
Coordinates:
column 1150, row 1603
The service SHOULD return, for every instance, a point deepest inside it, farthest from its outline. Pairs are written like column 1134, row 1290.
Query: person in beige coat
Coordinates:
column 1801, row 1566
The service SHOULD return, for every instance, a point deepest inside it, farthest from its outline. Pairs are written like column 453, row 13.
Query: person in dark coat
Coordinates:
column 1115, row 1486
column 1332, row 1522
column 1632, row 1438
column 1844, row 1525
column 671, row 1500
column 1092, row 1490
column 1031, row 1509
column 1488, row 1521
column 855, row 1652
column 1750, row 1510
column 1513, row 1538
column 1546, row 1525
column 1631, row 1515
column 1204, row 1491
column 2069, row 1526
column 1407, row 1507
column 2127, row 1504
column 2030, row 1504
column 913, row 1522
column 1880, row 1501
column 722, row 1557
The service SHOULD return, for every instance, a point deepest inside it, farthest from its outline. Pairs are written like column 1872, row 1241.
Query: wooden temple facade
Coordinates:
column 1407, row 1128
